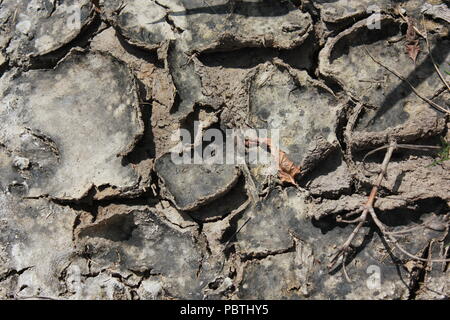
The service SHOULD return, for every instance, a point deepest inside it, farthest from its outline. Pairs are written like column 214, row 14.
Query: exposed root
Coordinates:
column 368, row 209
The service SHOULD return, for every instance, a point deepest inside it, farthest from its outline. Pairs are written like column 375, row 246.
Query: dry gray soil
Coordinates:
column 92, row 205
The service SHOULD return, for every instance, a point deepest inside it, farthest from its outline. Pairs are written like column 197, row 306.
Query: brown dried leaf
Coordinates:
column 413, row 50
column 412, row 43
column 287, row 170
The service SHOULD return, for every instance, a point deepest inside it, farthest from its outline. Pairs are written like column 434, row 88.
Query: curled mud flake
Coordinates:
column 36, row 241
column 190, row 186
column 393, row 107
column 280, row 106
column 215, row 25
column 84, row 126
column 130, row 240
column 34, row 28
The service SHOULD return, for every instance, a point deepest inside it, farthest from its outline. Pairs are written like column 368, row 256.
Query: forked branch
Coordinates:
column 398, row 75
column 368, row 209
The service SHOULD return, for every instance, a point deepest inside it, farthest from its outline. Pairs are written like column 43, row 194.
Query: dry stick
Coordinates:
column 399, row 146
column 398, row 75
column 243, row 207
column 345, row 247
column 37, row 297
column 344, row 269
column 368, row 208
column 369, row 204
column 432, row 59
column 237, row 231
column 339, row 219
column 414, row 27
column 422, row 226
column 409, row 230
column 250, row 183
column 349, row 128
column 384, row 165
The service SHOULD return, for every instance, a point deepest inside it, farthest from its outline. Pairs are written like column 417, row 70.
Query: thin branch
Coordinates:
column 340, row 219
column 235, row 234
column 369, row 209
column 414, row 27
column 344, row 269
column 346, row 246
column 432, row 59
column 405, row 231
column 250, row 183
column 398, row 75
column 343, row 250
column 399, row 146
column 351, row 123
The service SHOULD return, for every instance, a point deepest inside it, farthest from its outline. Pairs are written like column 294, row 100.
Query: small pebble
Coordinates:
column 21, row 163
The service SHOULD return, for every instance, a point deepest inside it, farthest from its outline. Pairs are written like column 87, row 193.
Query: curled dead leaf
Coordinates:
column 413, row 50
column 412, row 43
column 287, row 170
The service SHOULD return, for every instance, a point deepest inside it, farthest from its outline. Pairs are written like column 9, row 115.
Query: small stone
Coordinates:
column 21, row 163
column 76, row 141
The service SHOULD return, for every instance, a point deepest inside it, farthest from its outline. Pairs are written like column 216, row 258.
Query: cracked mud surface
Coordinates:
column 93, row 206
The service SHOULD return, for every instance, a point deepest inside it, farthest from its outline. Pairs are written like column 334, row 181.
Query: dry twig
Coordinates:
column 368, row 209
column 346, row 247
column 413, row 26
column 398, row 75
column 432, row 58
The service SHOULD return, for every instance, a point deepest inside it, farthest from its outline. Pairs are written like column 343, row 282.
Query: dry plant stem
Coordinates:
column 250, row 184
column 234, row 234
column 349, row 129
column 398, row 75
column 368, row 209
column 432, row 59
column 344, row 269
column 395, row 233
column 384, row 165
column 243, row 207
column 399, row 146
column 345, row 248
column 339, row 219
column 414, row 27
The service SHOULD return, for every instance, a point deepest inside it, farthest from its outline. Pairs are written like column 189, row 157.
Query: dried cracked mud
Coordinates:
column 93, row 94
